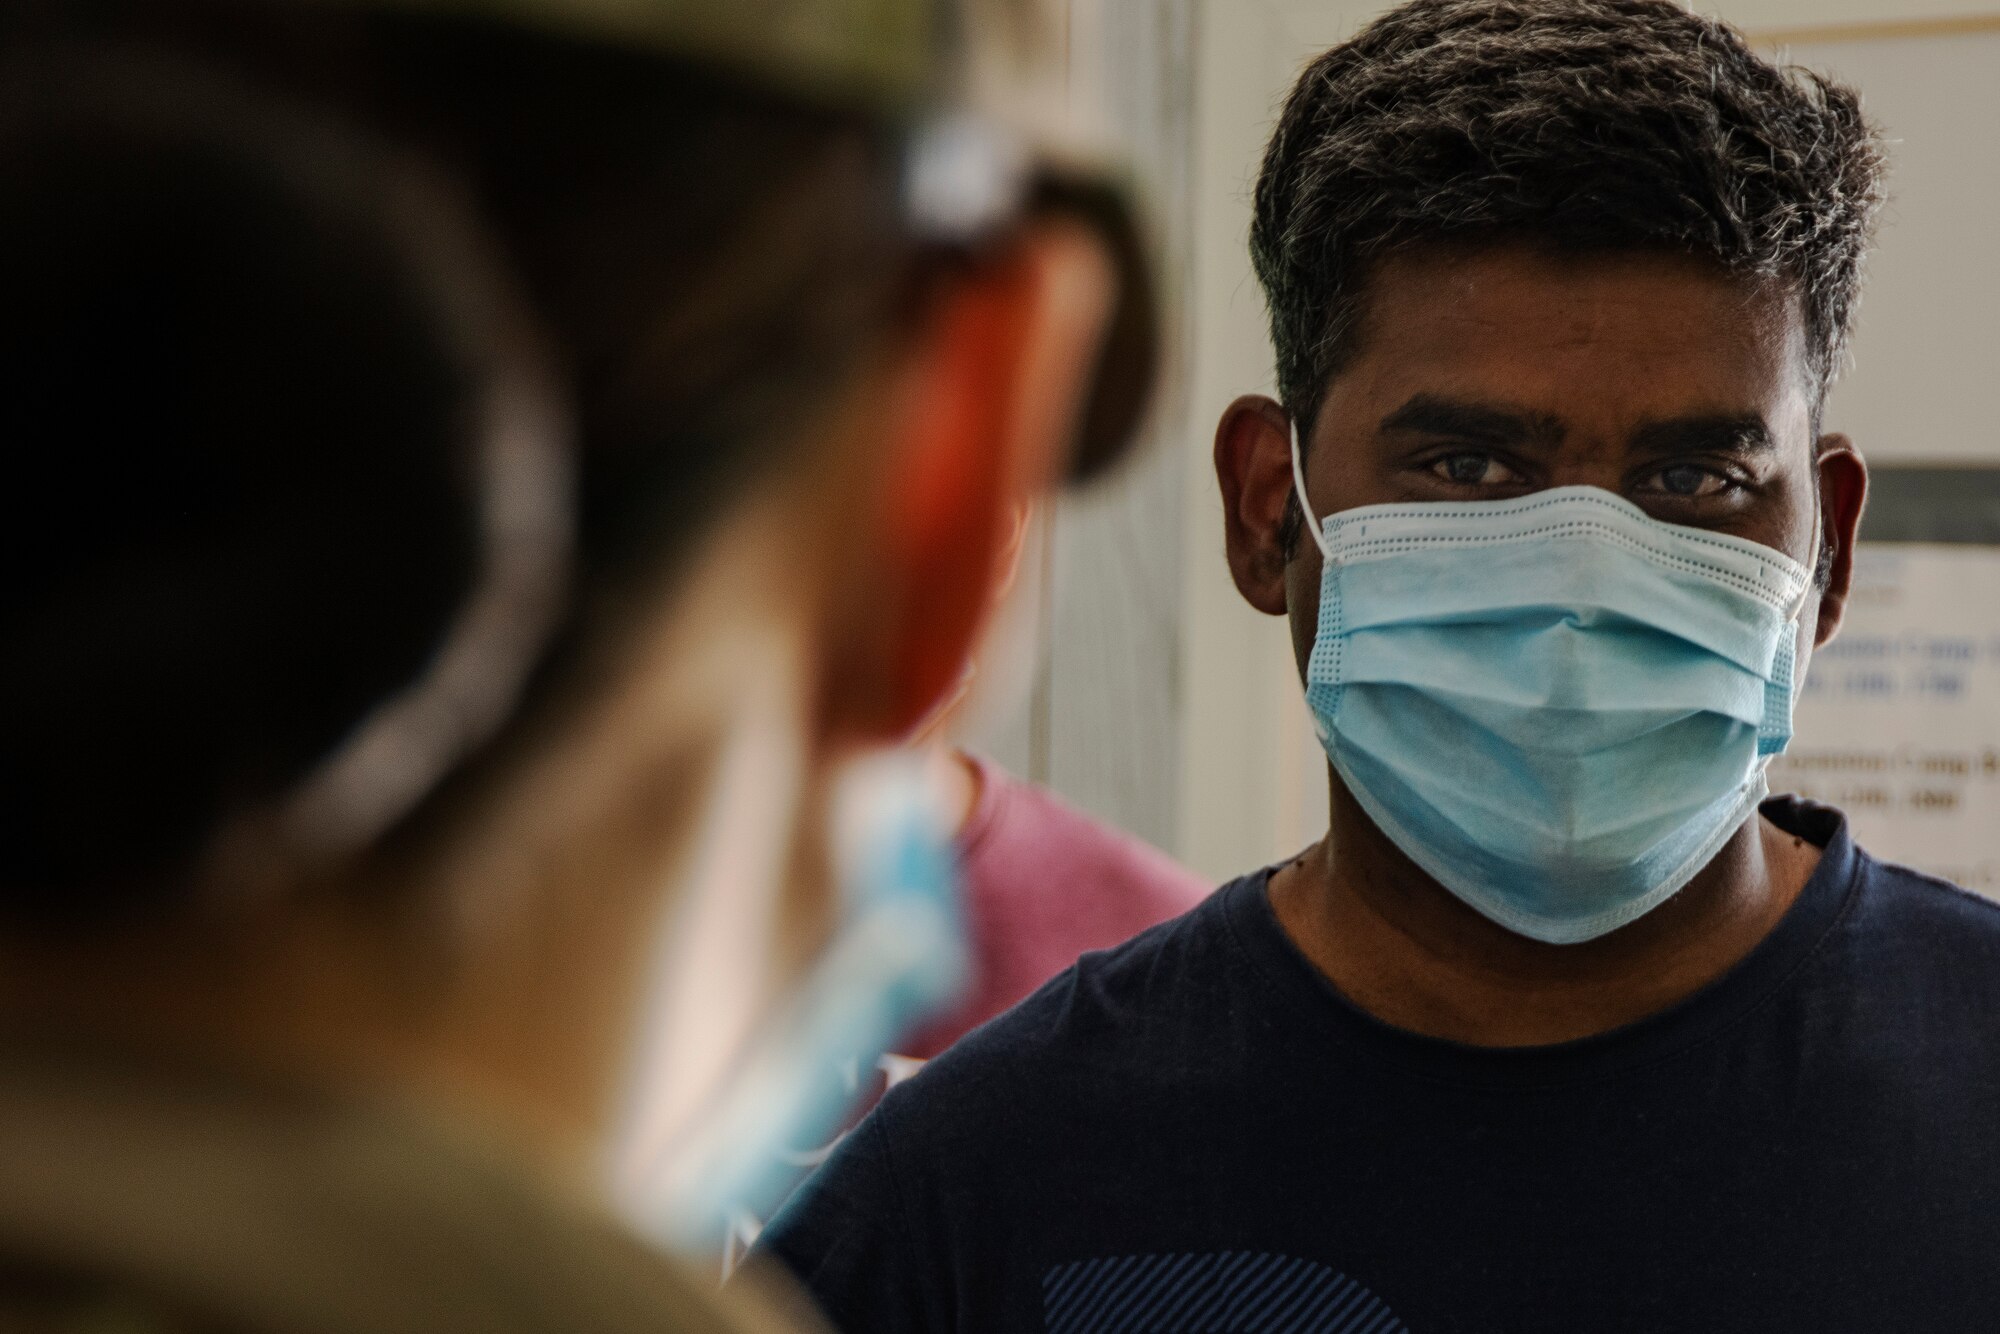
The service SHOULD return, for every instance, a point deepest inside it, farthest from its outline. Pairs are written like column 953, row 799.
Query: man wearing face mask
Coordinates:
column 1565, row 1026
column 490, row 480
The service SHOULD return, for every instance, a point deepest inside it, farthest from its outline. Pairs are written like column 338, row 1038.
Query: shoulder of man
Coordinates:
column 1906, row 961
column 962, row 1145
column 1098, row 1016
column 1903, row 914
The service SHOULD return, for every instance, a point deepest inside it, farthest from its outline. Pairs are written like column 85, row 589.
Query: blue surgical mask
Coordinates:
column 898, row 955
column 1558, row 707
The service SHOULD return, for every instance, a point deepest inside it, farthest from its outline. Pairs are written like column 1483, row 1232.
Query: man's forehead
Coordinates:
column 1590, row 330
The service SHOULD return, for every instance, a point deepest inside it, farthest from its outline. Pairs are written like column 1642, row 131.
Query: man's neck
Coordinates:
column 1404, row 948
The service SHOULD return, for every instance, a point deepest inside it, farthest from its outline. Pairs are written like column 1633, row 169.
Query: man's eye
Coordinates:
column 1472, row 470
column 1688, row 481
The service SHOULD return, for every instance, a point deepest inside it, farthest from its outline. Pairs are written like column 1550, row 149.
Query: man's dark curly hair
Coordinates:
column 1582, row 125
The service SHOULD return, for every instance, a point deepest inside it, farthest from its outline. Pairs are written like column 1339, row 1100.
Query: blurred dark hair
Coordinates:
column 1579, row 125
column 238, row 396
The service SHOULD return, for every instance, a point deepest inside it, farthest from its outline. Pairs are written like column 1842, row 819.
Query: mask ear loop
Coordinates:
column 1769, row 750
column 1305, row 505
column 1813, row 552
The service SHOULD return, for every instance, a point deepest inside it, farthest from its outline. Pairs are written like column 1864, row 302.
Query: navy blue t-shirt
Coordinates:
column 1195, row 1131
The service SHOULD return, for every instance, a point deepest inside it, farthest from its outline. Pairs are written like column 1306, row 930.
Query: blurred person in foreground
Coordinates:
column 1565, row 1026
column 489, row 481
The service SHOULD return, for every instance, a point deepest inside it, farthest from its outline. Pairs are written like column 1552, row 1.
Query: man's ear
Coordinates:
column 1253, row 462
column 1843, row 491
column 996, row 375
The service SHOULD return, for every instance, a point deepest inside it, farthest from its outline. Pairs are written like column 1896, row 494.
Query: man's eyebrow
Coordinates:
column 1719, row 434
column 1432, row 414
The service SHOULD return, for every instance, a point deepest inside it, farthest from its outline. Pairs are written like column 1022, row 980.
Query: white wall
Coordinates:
column 1251, row 780
column 1317, row 24
column 1102, row 721
column 1924, row 353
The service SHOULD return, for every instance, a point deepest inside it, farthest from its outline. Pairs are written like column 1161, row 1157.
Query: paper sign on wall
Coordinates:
column 1899, row 722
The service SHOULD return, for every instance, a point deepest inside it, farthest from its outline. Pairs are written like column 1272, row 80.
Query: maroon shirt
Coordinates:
column 1041, row 883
